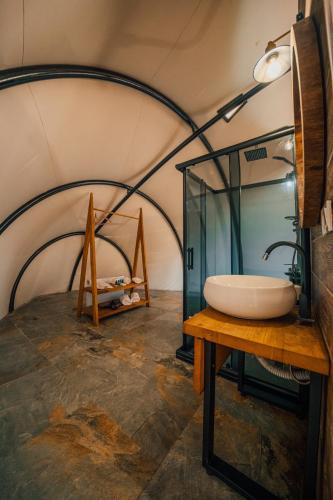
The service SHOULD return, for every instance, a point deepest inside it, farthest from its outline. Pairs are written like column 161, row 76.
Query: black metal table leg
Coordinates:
column 241, row 371
column 209, row 404
column 312, row 448
column 212, row 463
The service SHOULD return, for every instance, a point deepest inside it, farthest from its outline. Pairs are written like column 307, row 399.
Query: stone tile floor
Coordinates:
column 109, row 413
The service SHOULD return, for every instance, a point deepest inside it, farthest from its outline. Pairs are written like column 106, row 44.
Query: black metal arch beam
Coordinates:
column 89, row 182
column 21, row 75
column 27, row 74
column 48, row 244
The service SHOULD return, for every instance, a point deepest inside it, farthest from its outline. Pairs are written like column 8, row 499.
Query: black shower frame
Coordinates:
column 247, row 385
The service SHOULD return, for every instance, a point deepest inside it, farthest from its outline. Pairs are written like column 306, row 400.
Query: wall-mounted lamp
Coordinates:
column 274, row 63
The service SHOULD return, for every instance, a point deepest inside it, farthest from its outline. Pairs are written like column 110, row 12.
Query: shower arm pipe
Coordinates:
column 285, row 160
column 219, row 115
column 48, row 244
column 11, row 218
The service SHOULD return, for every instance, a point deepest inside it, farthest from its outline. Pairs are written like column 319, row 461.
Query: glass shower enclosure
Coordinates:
column 237, row 201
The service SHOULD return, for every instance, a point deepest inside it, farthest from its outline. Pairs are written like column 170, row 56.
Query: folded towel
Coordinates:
column 109, row 281
column 135, row 297
column 101, row 283
column 125, row 300
column 137, row 280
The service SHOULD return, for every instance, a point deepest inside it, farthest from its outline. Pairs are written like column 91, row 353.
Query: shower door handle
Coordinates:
column 190, row 259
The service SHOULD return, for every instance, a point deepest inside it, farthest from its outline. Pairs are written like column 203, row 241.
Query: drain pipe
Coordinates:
column 285, row 372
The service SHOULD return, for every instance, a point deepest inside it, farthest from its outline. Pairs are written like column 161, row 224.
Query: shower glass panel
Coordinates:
column 267, row 209
column 267, row 198
column 263, row 212
column 236, row 204
column 207, row 230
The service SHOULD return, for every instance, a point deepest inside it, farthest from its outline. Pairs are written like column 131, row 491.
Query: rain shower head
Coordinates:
column 255, row 154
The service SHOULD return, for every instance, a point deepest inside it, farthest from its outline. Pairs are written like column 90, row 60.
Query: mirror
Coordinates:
column 309, row 121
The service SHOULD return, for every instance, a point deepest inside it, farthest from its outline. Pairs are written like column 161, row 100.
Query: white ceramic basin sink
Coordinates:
column 250, row 297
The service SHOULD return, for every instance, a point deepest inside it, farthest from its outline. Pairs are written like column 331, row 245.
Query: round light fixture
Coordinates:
column 273, row 64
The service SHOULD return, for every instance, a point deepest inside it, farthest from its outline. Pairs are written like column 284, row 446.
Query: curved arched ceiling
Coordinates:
column 199, row 53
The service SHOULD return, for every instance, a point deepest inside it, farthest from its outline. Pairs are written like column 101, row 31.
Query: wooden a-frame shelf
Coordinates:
column 98, row 311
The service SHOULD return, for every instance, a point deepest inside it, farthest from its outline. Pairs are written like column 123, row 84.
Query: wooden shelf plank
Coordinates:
column 116, row 288
column 105, row 312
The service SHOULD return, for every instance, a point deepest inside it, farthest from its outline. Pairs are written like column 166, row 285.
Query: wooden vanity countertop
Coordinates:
column 282, row 339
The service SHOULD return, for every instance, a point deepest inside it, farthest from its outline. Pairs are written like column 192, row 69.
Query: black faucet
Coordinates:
column 304, row 299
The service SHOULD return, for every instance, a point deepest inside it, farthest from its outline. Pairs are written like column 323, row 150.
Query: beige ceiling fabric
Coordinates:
column 199, row 53
column 66, row 115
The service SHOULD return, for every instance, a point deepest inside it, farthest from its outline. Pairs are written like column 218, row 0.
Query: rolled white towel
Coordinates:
column 125, row 300
column 101, row 283
column 137, row 280
column 135, row 297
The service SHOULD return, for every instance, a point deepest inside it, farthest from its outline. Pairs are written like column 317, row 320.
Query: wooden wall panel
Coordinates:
column 322, row 246
column 318, row 15
column 322, row 259
column 323, row 308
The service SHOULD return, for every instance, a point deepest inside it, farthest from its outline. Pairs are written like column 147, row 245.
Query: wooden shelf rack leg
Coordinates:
column 140, row 241
column 89, row 245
